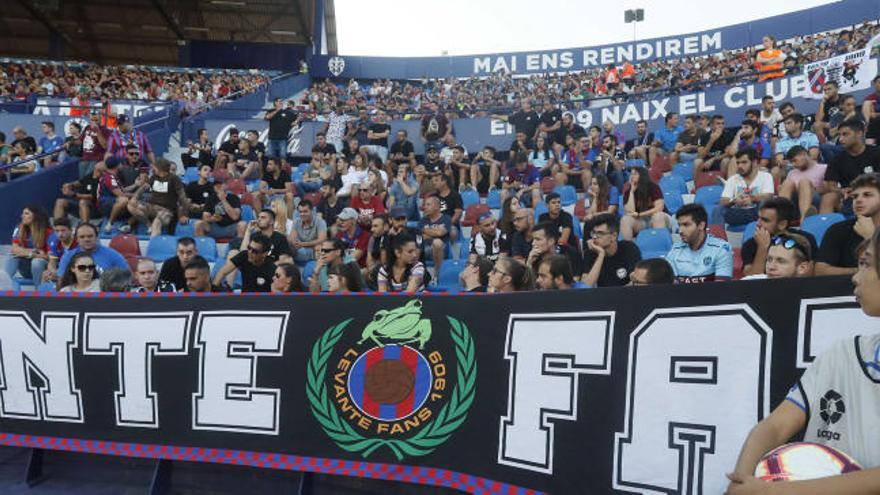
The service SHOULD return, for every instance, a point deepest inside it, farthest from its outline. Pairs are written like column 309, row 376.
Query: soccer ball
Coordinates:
column 804, row 461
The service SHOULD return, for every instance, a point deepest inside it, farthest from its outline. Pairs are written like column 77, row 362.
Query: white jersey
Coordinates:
column 840, row 394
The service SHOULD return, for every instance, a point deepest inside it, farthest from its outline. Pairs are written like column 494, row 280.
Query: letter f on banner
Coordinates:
column 548, row 353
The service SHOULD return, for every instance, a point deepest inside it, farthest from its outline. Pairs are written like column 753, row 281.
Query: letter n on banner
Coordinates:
column 548, row 353
column 697, row 378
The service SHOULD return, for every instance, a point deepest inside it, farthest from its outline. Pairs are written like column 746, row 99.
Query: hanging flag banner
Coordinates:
column 851, row 71
column 567, row 392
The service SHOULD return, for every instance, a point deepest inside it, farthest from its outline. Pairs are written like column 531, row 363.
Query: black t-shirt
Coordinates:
column 688, row 139
column 645, row 140
column 329, row 213
column 549, row 119
column 844, row 168
column 435, row 167
column 720, row 144
column 831, row 108
column 279, row 246
column 750, row 247
column 379, row 128
column 377, row 245
column 172, row 272
column 200, row 194
column 839, row 245
column 404, row 148
column 615, row 269
column 279, row 124
column 88, row 185
column 576, row 132
column 229, row 147
column 519, row 245
column 250, row 156
column 254, row 278
column 327, row 149
column 564, row 220
column 279, row 183
column 214, row 205
column 450, row 202
column 525, row 122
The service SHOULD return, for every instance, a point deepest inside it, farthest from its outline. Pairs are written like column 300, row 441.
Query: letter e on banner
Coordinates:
column 228, row 398
column 548, row 353
column 36, row 367
column 697, row 378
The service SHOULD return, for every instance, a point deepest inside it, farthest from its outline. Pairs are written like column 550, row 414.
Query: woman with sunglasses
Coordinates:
column 404, row 271
column 80, row 276
column 344, row 279
column 852, row 369
column 286, row 279
column 510, row 275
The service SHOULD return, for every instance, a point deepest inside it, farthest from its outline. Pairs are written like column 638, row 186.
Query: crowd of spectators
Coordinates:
column 19, row 81
column 482, row 96
column 378, row 217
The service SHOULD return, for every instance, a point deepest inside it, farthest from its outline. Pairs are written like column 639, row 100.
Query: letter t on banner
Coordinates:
column 230, row 343
column 548, row 353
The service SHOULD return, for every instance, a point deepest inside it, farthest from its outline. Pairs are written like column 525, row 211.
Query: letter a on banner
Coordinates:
column 698, row 378
column 548, row 353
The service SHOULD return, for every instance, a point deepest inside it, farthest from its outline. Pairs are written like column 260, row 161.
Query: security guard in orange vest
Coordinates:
column 769, row 61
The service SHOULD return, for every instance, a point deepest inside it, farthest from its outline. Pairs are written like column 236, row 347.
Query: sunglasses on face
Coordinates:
column 133, row 154
column 254, row 250
column 327, row 250
column 84, row 268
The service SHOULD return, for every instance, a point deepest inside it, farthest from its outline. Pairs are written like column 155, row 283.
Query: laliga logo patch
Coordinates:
column 389, row 388
column 336, row 65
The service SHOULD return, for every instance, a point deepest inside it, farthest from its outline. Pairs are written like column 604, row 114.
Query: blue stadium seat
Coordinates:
column 464, row 248
column 818, row 224
column 581, row 285
column 297, row 175
column 709, row 197
column 578, row 230
column 17, row 282
column 207, row 247
column 540, row 209
column 654, row 243
column 673, row 183
column 186, row 229
column 47, row 287
column 448, row 276
column 162, row 247
column 493, row 199
column 749, row 231
column 672, row 201
column 567, row 194
column 684, row 170
column 247, row 213
column 470, row 197
column 236, row 284
column 190, row 175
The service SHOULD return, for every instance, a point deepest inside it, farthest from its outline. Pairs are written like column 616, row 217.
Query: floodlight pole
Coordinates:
column 634, row 16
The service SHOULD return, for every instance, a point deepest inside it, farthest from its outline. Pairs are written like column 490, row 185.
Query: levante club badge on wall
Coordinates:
column 387, row 387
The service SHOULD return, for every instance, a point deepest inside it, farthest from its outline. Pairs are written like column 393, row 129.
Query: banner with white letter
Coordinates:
column 636, row 389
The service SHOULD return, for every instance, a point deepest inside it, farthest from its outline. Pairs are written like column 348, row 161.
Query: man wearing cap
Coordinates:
column 355, row 238
column 398, row 219
column 220, row 215
column 94, row 144
column 489, row 239
column 166, row 199
column 125, row 134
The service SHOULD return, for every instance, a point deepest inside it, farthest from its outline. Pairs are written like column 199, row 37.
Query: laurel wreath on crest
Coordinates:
column 428, row 438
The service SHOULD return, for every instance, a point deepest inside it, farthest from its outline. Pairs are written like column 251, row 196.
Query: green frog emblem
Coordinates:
column 403, row 325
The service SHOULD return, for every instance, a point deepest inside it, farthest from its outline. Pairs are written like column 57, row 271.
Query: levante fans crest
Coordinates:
column 387, row 386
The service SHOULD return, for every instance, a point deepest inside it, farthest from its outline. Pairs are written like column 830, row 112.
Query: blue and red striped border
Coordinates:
column 142, row 295
column 390, row 472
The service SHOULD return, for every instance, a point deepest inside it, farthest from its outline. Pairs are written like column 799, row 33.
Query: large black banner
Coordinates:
column 636, row 390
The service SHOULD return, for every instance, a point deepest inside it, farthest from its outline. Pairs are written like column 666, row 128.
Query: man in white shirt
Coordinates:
column 744, row 191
